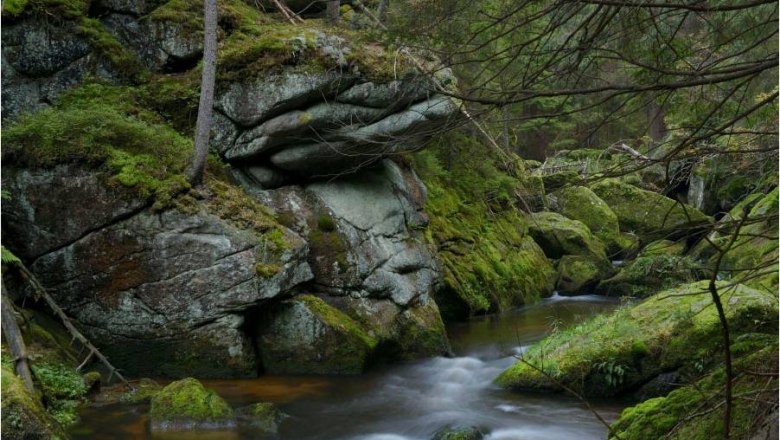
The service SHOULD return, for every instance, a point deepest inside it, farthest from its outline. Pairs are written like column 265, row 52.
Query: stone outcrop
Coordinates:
column 290, row 126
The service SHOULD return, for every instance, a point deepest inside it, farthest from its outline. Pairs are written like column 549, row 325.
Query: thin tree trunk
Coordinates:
column 15, row 342
column 332, row 12
column 207, row 84
column 381, row 10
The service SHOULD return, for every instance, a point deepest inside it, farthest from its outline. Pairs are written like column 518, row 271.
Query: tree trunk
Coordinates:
column 333, row 12
column 381, row 10
column 207, row 80
column 13, row 337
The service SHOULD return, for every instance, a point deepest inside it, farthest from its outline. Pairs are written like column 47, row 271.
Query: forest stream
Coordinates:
column 412, row 400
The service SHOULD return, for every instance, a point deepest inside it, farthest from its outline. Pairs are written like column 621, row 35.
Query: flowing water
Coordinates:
column 409, row 401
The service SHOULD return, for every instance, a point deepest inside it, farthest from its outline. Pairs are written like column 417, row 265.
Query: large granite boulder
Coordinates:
column 649, row 215
column 163, row 292
column 580, row 203
column 559, row 236
column 369, row 266
column 308, row 125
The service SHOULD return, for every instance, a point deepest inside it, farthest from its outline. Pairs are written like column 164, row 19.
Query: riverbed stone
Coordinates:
column 186, row 405
column 578, row 274
column 580, row 203
column 559, row 236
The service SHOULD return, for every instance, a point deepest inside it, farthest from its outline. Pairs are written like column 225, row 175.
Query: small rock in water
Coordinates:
column 460, row 433
column 186, row 405
column 262, row 418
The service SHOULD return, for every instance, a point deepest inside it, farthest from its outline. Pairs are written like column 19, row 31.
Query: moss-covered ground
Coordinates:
column 677, row 329
column 696, row 411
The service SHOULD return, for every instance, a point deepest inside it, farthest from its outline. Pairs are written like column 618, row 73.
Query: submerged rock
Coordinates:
column 262, row 418
column 185, row 405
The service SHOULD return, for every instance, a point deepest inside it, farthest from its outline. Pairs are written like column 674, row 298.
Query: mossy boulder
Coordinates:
column 262, row 418
column 460, row 433
column 753, row 256
column 663, row 247
column 578, row 274
column 674, row 330
column 306, row 335
column 559, row 236
column 650, row 215
column 670, row 416
column 23, row 414
column 560, row 180
column 580, row 203
column 187, row 405
column 652, row 273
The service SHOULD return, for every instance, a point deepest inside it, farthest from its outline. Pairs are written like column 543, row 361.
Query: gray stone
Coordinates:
column 133, row 7
column 255, row 100
column 48, row 208
column 158, row 289
column 391, row 95
column 159, row 44
column 37, row 48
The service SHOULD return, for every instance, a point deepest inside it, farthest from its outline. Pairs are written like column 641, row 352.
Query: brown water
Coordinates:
column 409, row 401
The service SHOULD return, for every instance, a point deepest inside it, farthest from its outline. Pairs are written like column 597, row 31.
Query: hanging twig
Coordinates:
column 15, row 341
column 40, row 292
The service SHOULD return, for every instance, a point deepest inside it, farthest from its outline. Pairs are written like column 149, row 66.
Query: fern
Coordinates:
column 8, row 257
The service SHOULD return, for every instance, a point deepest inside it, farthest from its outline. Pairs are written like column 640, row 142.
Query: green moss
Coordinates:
column 676, row 329
column 580, row 203
column 670, row 416
column 187, row 400
column 331, row 247
column 577, row 274
column 23, row 414
column 325, row 223
column 63, row 390
column 753, row 256
column 478, row 229
column 103, row 126
column 337, row 319
column 664, row 247
column 267, row 270
column 109, row 48
column 650, row 215
column 559, row 236
column 66, row 9
column 14, row 7
column 649, row 274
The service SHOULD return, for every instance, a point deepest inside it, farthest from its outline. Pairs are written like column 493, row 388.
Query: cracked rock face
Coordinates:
column 164, row 294
column 298, row 126
column 369, row 262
